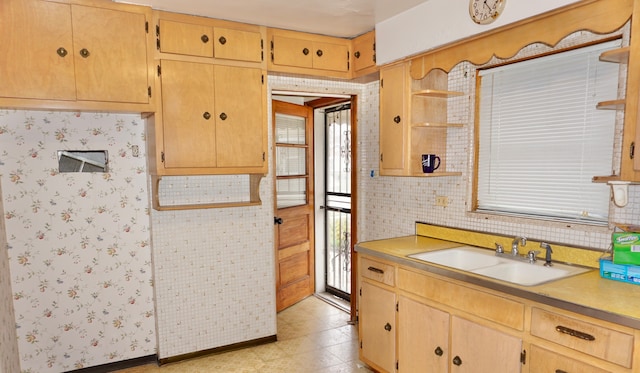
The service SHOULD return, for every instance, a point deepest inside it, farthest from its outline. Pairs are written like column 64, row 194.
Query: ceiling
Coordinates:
column 342, row 18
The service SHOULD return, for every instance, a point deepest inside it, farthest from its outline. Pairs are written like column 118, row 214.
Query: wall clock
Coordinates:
column 485, row 11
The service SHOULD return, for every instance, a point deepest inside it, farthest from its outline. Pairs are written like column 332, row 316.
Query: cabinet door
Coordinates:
column 186, row 38
column 544, row 361
column 393, row 120
column 37, row 50
column 237, row 44
column 479, row 349
column 292, row 52
column 364, row 51
column 329, row 56
column 240, row 126
column 187, row 114
column 110, row 52
column 423, row 337
column 377, row 326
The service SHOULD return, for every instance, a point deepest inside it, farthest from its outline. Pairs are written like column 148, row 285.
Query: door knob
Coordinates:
column 457, row 361
column 397, row 119
column 387, row 327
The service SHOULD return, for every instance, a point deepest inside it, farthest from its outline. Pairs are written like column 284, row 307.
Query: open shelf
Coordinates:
column 436, row 93
column 436, row 174
column 620, row 55
column 436, row 124
column 611, row 105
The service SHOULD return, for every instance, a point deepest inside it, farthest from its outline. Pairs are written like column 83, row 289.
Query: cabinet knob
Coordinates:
column 222, row 40
column 397, row 119
column 84, row 53
column 438, row 351
column 61, row 52
column 457, row 361
column 206, row 115
column 357, row 54
column 305, row 51
column 387, row 327
column 204, row 38
column 319, row 52
column 223, row 116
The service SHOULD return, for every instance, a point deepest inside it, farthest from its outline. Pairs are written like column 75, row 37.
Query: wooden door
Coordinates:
column 294, row 207
column 110, row 51
column 37, row 50
column 237, row 44
column 240, row 134
column 423, row 337
column 187, row 114
column 393, row 120
column 329, row 56
column 480, row 349
column 378, row 326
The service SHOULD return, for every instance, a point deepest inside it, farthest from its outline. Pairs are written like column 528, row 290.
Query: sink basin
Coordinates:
column 529, row 274
column 466, row 258
column 485, row 263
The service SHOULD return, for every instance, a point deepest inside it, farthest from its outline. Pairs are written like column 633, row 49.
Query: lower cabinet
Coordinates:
column 425, row 334
column 423, row 337
column 545, row 361
column 378, row 327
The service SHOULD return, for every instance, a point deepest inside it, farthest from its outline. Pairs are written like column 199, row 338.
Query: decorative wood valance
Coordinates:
column 598, row 16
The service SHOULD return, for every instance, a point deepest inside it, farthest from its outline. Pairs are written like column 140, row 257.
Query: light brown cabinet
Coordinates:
column 413, row 121
column 545, row 361
column 423, row 337
column 303, row 53
column 74, row 53
column 377, row 326
column 212, row 120
column 363, row 56
column 203, row 37
column 393, row 120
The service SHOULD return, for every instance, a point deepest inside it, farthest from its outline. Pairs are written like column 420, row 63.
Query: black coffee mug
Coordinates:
column 430, row 163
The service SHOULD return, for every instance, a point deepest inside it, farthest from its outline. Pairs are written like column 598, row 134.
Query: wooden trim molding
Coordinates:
column 598, row 16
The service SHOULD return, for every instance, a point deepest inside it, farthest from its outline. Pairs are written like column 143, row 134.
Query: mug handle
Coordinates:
column 437, row 163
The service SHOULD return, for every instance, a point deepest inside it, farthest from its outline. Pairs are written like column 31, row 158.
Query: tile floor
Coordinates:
column 313, row 337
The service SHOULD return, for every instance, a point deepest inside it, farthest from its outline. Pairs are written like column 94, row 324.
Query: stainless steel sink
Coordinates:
column 484, row 262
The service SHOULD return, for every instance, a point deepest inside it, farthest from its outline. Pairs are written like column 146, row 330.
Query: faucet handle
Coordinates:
column 499, row 248
column 531, row 255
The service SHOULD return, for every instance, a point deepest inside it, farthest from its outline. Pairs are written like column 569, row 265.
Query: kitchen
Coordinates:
column 163, row 252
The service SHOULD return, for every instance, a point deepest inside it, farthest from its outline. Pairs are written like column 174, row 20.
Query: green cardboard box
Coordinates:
column 626, row 248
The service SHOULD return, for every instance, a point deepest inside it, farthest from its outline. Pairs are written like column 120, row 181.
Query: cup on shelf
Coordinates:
column 430, row 163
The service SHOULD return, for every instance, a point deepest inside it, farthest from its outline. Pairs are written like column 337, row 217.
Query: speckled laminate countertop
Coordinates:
column 587, row 294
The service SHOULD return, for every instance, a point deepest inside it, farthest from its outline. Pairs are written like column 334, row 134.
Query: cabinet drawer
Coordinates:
column 592, row 339
column 544, row 361
column 479, row 303
column 378, row 271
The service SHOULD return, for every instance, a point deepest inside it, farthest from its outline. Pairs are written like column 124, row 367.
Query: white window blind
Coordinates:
column 541, row 138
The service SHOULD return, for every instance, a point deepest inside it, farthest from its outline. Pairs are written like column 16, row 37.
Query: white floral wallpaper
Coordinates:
column 8, row 340
column 78, row 243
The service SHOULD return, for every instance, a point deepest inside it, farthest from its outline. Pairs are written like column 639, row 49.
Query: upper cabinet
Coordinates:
column 74, row 56
column 204, row 37
column 302, row 53
column 363, row 55
column 393, row 120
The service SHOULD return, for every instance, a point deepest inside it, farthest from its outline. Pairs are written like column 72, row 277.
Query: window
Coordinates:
column 541, row 138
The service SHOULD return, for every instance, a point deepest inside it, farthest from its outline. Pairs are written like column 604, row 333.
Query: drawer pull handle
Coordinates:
column 376, row 270
column 575, row 333
column 560, row 371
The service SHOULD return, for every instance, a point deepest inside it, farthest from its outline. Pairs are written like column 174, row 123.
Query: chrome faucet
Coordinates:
column 514, row 245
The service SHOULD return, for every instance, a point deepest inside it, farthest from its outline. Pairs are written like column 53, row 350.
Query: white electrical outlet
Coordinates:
column 135, row 151
column 442, row 201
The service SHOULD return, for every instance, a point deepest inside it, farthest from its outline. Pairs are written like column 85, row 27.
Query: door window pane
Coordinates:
column 291, row 192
